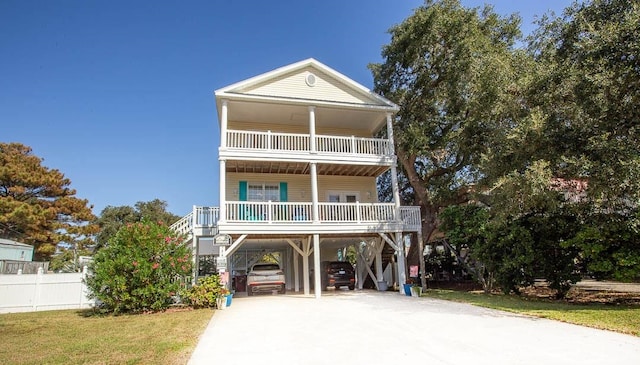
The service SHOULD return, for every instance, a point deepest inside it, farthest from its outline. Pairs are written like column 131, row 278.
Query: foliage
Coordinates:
column 66, row 260
column 609, row 248
column 464, row 227
column 512, row 251
column 67, row 337
column 113, row 218
column 206, row 293
column 547, row 138
column 37, row 206
column 449, row 68
column 141, row 269
column 588, row 94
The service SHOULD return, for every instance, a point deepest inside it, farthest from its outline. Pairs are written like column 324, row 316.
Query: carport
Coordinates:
column 296, row 254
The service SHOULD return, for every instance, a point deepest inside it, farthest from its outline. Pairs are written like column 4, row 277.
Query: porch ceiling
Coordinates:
column 269, row 242
column 296, row 114
column 302, row 168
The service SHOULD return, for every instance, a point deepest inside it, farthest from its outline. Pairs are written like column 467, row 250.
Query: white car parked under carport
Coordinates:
column 265, row 277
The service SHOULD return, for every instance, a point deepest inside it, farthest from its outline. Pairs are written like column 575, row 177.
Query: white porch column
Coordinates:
column 423, row 274
column 378, row 249
column 223, row 191
column 402, row 262
column 360, row 263
column 394, row 169
column 312, row 128
column 396, row 190
column 314, row 193
column 296, row 272
column 194, row 257
column 390, row 133
column 223, row 124
column 305, row 266
column 316, row 265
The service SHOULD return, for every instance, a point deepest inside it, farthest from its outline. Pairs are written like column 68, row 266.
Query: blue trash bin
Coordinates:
column 229, row 300
column 407, row 289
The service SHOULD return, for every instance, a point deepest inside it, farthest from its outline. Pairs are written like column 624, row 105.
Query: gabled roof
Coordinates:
column 304, row 82
column 7, row 242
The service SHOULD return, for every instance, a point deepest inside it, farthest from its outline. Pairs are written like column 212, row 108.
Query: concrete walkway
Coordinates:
column 368, row 327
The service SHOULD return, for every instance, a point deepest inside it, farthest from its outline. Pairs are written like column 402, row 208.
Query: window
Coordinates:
column 343, row 197
column 263, row 192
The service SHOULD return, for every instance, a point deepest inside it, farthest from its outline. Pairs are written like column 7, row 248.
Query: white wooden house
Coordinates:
column 300, row 151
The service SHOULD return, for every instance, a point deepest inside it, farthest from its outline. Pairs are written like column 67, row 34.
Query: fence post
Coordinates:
column 36, row 296
column 83, row 286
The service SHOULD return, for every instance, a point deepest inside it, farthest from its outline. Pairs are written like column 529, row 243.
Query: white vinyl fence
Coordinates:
column 41, row 292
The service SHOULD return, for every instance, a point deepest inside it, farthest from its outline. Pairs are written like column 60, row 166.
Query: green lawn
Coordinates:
column 619, row 318
column 72, row 337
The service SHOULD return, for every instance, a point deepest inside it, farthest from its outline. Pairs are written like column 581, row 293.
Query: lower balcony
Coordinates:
column 297, row 218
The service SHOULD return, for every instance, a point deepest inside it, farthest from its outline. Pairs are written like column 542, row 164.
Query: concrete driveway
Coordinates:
column 368, row 327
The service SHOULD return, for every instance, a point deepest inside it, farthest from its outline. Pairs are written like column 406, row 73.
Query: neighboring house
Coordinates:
column 15, row 251
column 17, row 257
column 299, row 158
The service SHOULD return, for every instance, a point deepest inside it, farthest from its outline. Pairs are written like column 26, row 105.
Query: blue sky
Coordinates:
column 118, row 95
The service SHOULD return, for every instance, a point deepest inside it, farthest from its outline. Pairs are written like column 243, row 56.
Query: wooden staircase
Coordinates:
column 388, row 254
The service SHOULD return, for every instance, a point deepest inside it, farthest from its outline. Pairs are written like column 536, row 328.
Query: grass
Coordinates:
column 77, row 337
column 618, row 318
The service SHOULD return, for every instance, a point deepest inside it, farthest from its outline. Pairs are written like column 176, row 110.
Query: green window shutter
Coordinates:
column 283, row 192
column 242, row 191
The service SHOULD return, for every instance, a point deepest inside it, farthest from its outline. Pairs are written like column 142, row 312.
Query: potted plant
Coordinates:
column 222, row 298
column 416, row 290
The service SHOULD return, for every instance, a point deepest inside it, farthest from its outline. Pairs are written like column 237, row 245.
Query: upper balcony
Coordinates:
column 377, row 153
column 286, row 119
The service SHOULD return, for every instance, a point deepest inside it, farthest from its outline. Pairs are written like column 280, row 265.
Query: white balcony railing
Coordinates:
column 267, row 212
column 298, row 213
column 184, row 225
column 206, row 216
column 290, row 142
column 356, row 212
column 281, row 212
column 411, row 218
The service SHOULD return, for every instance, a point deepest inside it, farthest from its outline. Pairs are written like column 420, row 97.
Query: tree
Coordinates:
column 113, row 218
column 37, row 205
column 588, row 96
column 450, row 69
column 142, row 269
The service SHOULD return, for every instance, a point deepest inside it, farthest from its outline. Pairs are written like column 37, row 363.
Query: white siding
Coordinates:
column 299, row 186
column 296, row 128
column 326, row 88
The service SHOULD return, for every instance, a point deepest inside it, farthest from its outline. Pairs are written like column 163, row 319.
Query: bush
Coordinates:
column 206, row 293
column 142, row 269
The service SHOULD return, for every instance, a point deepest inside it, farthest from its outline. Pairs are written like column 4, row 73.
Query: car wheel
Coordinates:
column 352, row 287
column 249, row 292
column 282, row 290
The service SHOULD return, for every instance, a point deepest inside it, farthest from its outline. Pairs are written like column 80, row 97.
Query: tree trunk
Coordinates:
column 428, row 228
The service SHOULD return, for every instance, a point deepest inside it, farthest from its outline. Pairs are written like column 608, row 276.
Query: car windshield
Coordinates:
column 266, row 267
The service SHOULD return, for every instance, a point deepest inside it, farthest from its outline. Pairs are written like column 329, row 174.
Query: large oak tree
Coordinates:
column 37, row 204
column 452, row 70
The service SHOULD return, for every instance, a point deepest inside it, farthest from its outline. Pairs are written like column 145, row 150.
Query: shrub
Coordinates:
column 142, row 269
column 206, row 293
